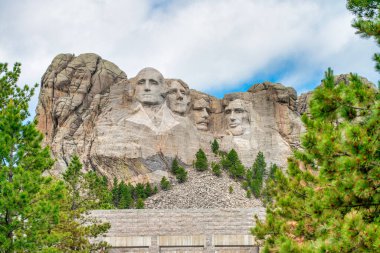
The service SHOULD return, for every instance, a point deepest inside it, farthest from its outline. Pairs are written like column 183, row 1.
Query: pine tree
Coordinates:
column 215, row 147
column 115, row 192
column 266, row 196
column 85, row 192
column 330, row 199
column 201, row 163
column 181, row 175
column 367, row 21
column 29, row 201
column 148, row 190
column 232, row 163
column 230, row 159
column 215, row 167
column 258, row 171
column 165, row 184
column 175, row 166
column 125, row 194
column 98, row 190
column 139, row 191
column 140, row 203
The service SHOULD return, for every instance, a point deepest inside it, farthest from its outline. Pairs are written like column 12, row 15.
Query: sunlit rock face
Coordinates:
column 131, row 128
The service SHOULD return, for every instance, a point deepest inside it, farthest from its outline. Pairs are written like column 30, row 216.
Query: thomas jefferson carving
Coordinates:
column 178, row 97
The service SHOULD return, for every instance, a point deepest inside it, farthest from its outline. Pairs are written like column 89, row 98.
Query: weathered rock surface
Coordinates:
column 132, row 128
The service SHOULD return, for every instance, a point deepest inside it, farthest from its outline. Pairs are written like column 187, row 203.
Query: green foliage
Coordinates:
column 148, row 190
column 181, row 175
column 126, row 196
column 85, row 192
column 115, row 192
column 124, row 193
column 179, row 171
column 330, row 199
column 269, row 184
column 29, row 202
column 367, row 21
column 215, row 147
column 175, row 166
column 139, row 191
column 37, row 213
column 155, row 189
column 258, row 171
column 215, row 167
column 230, row 189
column 233, row 165
column 201, row 163
column 140, row 203
column 165, row 184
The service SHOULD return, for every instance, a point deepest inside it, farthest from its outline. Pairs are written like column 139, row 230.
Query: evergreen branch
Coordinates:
column 358, row 205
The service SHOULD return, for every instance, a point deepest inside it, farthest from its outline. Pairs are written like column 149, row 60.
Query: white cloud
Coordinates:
column 211, row 44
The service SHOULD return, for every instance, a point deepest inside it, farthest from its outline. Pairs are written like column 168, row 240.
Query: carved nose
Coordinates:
column 204, row 113
column 146, row 86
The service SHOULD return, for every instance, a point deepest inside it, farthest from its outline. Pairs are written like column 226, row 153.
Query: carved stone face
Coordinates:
column 178, row 98
column 201, row 115
column 237, row 117
column 150, row 87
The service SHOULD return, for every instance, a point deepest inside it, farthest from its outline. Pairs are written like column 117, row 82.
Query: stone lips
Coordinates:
column 133, row 128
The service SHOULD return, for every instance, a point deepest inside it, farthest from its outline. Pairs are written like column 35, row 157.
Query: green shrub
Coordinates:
column 181, row 175
column 216, row 169
column 175, row 166
column 155, row 189
column 165, row 184
column 215, row 147
column 140, row 203
column 201, row 163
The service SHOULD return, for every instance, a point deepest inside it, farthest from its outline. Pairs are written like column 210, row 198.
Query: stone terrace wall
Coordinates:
column 181, row 230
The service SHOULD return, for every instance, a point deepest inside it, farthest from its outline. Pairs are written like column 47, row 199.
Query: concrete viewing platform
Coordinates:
column 180, row 230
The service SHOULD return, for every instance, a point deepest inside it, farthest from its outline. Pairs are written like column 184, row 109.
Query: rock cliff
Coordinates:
column 132, row 128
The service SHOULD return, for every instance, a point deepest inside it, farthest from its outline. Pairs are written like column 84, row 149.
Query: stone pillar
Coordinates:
column 209, row 244
column 154, row 248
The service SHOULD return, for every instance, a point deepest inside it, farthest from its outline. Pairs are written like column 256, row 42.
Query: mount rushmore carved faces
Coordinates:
column 201, row 109
column 237, row 117
column 178, row 97
column 150, row 87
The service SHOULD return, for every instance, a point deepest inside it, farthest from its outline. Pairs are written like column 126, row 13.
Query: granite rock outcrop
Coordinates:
column 132, row 128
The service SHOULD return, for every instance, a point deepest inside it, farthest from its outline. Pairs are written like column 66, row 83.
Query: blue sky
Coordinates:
column 216, row 46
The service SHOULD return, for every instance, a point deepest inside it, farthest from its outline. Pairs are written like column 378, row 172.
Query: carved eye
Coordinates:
column 239, row 110
column 154, row 82
column 172, row 91
column 140, row 82
column 183, row 92
column 228, row 111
